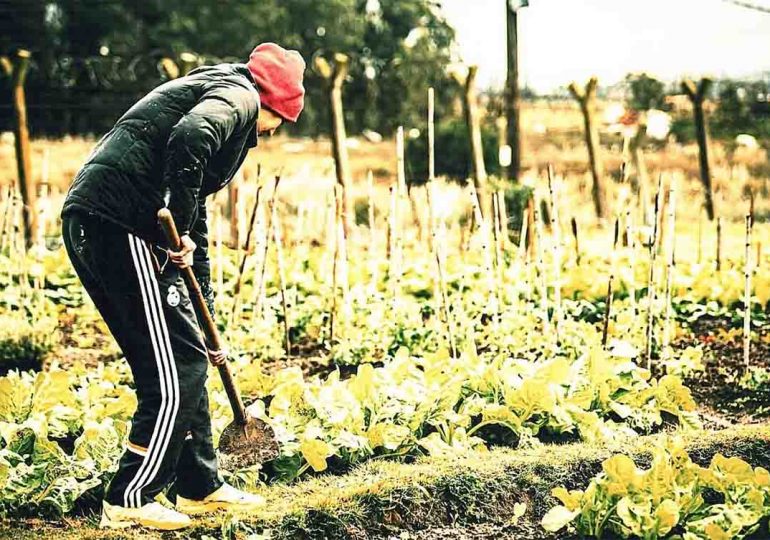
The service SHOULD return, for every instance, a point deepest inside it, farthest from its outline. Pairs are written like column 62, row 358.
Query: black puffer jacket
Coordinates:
column 183, row 141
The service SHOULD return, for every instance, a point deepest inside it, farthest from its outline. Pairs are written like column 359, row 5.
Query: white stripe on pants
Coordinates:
column 167, row 375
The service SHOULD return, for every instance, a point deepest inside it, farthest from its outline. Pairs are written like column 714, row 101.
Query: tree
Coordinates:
column 82, row 50
column 646, row 92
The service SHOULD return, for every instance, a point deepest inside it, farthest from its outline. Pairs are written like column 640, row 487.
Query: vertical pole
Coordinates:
column 697, row 95
column 335, row 77
column 651, row 279
column 23, row 152
column 747, row 296
column 512, row 94
column 586, row 98
column 670, row 264
column 474, row 135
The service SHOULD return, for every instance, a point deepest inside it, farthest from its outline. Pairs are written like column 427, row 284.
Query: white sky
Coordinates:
column 565, row 40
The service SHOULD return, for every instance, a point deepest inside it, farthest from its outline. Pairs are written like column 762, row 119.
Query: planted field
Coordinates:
column 433, row 371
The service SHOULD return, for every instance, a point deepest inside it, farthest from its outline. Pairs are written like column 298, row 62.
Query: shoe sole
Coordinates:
column 107, row 523
column 210, row 507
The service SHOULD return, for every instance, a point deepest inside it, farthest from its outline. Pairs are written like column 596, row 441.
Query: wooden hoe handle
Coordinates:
column 209, row 327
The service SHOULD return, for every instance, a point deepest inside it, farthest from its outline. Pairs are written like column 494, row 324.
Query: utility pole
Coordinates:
column 512, row 94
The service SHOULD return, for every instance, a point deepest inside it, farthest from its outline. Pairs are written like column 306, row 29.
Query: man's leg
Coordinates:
column 197, row 474
column 160, row 427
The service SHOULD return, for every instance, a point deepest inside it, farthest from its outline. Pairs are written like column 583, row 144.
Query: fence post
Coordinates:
column 696, row 95
column 586, row 97
column 18, row 74
column 474, row 136
column 334, row 76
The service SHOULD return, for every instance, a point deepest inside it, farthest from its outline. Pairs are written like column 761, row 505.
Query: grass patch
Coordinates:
column 385, row 497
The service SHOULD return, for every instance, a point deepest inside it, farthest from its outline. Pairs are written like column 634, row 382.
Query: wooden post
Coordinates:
column 610, row 283
column 247, row 248
column 697, row 94
column 431, row 164
column 512, row 94
column 555, row 251
column 232, row 208
column 586, row 98
column 474, row 136
column 280, row 269
column 18, row 75
column 187, row 62
column 651, row 279
column 670, row 264
column 576, row 234
column 334, row 77
column 747, row 295
column 642, row 180
column 719, row 244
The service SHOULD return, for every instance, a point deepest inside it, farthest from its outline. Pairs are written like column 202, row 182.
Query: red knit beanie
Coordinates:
column 278, row 76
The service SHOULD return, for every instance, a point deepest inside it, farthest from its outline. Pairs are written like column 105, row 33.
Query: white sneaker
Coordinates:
column 153, row 515
column 225, row 498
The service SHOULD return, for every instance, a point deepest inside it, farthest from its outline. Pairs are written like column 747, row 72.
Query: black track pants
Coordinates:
column 151, row 317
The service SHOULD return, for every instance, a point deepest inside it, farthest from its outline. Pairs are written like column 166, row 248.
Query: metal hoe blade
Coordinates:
column 242, row 446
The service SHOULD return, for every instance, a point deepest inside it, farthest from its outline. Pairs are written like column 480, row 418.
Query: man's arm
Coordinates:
column 199, row 135
column 201, row 262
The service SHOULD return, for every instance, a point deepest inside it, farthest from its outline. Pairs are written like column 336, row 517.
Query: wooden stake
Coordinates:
column 700, row 235
column 747, row 296
column 484, row 234
column 719, row 243
column 556, row 251
column 542, row 281
column 651, row 280
column 18, row 74
column 670, row 263
column 577, row 240
column 631, row 260
column 499, row 262
column 372, row 247
column 610, row 283
column 268, row 229
column 281, row 271
column 237, row 289
column 439, row 254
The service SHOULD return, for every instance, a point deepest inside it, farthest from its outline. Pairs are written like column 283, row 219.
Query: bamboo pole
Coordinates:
column 280, row 268
column 440, row 256
column 372, row 247
column 499, row 262
column 524, row 260
column 219, row 253
column 242, row 266
column 670, row 263
column 540, row 267
column 631, row 260
column 610, row 284
column 266, row 248
column 556, row 251
column 335, row 259
column 747, row 296
column 651, row 280
column 503, row 220
column 484, row 234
